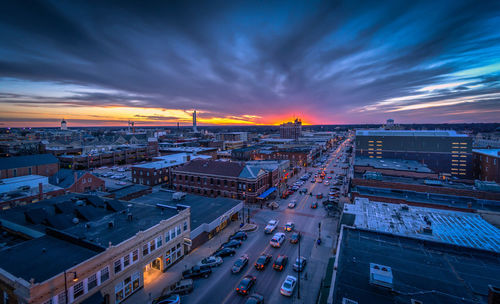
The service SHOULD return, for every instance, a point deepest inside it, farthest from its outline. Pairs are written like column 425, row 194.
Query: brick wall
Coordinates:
column 44, row 170
column 87, row 182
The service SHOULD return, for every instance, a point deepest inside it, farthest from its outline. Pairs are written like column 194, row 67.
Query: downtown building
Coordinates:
column 291, row 130
column 86, row 249
column 445, row 152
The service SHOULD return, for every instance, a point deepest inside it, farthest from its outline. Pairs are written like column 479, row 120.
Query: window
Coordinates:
column 185, row 225
column 158, row 242
column 152, row 245
column 92, row 281
column 89, row 180
column 167, row 237
column 145, row 250
column 135, row 255
column 15, row 173
column 172, row 233
column 104, row 274
column 29, row 173
column 126, row 260
column 78, row 290
column 178, row 229
column 61, row 298
column 118, row 266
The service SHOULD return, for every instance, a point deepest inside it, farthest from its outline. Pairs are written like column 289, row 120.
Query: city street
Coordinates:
column 221, row 285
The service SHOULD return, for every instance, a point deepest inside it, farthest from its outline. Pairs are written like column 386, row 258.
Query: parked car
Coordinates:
column 246, row 284
column 277, row 239
column 292, row 204
column 240, row 264
column 197, row 272
column 210, row 261
column 271, row 225
column 288, row 286
column 167, row 299
column 300, row 264
column 240, row 235
column 294, row 239
column 319, row 195
column 280, row 262
column 255, row 298
column 224, row 252
column 182, row 287
column 262, row 261
column 289, row 226
column 231, row 244
column 314, row 205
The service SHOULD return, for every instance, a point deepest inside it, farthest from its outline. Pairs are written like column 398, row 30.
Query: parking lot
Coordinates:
column 114, row 177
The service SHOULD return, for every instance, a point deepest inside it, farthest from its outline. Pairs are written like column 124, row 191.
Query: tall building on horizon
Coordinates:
column 292, row 130
column 195, row 129
column 64, row 125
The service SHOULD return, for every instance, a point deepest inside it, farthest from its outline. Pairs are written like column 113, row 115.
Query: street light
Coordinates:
column 75, row 278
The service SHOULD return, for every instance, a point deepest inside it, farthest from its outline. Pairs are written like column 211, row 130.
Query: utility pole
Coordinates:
column 298, row 272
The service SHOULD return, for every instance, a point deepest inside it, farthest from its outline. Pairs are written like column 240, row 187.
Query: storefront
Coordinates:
column 126, row 287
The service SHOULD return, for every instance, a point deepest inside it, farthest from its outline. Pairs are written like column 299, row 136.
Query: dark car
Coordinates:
column 294, row 239
column 280, row 262
column 262, row 261
column 197, row 272
column 225, row 252
column 240, row 235
column 319, row 195
column 246, row 284
column 314, row 205
column 255, row 298
column 182, row 287
column 231, row 244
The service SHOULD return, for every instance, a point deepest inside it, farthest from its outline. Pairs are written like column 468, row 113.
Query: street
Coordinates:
column 221, row 285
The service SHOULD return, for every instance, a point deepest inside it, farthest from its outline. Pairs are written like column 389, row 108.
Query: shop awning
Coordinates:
column 266, row 193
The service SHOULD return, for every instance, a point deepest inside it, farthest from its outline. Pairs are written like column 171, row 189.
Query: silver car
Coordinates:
column 210, row 261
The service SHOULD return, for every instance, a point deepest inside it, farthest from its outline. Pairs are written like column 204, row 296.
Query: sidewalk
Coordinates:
column 174, row 273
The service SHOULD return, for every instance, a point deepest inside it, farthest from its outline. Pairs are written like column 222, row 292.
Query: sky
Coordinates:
column 99, row 63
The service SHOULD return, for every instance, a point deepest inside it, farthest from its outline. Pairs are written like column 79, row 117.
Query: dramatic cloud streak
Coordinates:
column 249, row 62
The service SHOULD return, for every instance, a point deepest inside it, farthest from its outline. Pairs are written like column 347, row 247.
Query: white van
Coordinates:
column 277, row 240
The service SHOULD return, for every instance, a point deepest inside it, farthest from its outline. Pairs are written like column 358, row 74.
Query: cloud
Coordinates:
column 241, row 61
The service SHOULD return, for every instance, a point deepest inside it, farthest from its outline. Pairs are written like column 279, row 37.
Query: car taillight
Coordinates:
column 237, row 288
column 281, row 267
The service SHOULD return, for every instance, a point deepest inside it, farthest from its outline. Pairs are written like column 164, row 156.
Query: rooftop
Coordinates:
column 27, row 161
column 129, row 189
column 393, row 164
column 438, row 133
column 188, row 149
column 212, row 167
column 65, row 178
column 427, row 271
column 488, row 152
column 459, row 228
column 203, row 209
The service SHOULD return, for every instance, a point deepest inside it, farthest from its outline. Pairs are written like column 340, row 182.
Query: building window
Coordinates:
column 126, row 260
column 104, row 274
column 61, row 298
column 89, row 180
column 152, row 245
column 29, row 170
column 158, row 242
column 92, row 281
column 135, row 255
column 172, row 234
column 15, row 173
column 78, row 290
column 167, row 237
column 185, row 225
column 118, row 266
column 145, row 250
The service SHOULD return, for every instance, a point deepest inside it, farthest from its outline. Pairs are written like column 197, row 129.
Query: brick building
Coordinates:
column 291, row 129
column 77, row 181
column 220, row 178
column 38, row 164
column 27, row 189
column 487, row 164
column 160, row 171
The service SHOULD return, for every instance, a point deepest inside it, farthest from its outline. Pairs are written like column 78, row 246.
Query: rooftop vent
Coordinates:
column 75, row 220
column 405, row 207
column 381, row 275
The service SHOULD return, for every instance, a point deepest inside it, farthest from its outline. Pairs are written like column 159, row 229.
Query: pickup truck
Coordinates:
column 271, row 225
column 196, row 272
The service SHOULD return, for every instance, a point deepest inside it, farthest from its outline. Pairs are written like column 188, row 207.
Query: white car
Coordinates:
column 277, row 240
column 288, row 286
column 292, row 204
column 271, row 225
column 210, row 261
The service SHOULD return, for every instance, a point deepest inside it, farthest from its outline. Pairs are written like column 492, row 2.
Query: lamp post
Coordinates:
column 75, row 278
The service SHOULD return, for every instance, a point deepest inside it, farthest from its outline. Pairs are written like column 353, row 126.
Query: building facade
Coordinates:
column 487, row 164
column 442, row 151
column 38, row 164
column 291, row 130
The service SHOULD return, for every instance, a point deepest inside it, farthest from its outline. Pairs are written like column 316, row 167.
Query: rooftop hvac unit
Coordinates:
column 381, row 275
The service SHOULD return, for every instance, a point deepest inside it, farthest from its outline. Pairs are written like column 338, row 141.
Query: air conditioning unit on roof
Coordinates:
column 381, row 275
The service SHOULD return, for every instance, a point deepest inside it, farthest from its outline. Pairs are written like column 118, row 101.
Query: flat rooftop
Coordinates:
column 203, row 209
column 427, row 271
column 188, row 149
column 429, row 133
column 127, row 190
column 459, row 228
column 488, row 152
column 392, row 164
column 42, row 258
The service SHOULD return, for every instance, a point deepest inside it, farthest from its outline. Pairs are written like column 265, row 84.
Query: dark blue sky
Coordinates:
column 256, row 61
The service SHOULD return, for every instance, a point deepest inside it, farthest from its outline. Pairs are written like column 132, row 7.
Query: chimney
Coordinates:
column 40, row 191
column 493, row 295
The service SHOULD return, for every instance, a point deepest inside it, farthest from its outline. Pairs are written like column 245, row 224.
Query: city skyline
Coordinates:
column 240, row 63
